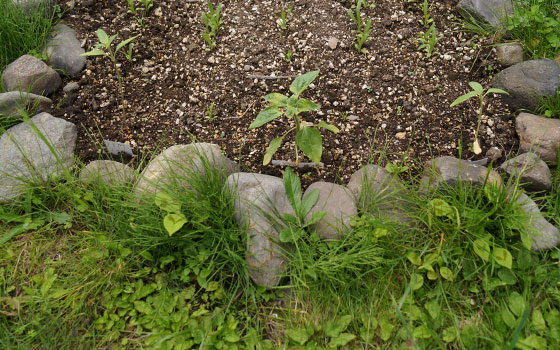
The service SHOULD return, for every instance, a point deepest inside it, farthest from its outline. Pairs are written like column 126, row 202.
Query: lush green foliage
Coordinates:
column 549, row 106
column 308, row 138
column 536, row 23
column 22, row 32
column 480, row 92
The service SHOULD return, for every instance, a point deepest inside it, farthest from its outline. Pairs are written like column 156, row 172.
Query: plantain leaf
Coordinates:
column 482, row 249
column 165, row 202
column 502, row 257
column 311, row 143
column 292, row 186
column 174, row 222
column 309, row 201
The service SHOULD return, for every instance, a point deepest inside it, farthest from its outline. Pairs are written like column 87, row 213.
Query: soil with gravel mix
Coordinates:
column 392, row 100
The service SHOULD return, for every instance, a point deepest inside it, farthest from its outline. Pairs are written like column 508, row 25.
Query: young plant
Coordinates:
column 480, row 92
column 147, row 5
column 549, row 106
column 210, row 113
column 428, row 40
column 103, row 48
column 356, row 16
column 131, row 7
column 362, row 36
column 426, row 21
column 282, row 21
column 212, row 23
column 308, row 137
column 174, row 220
column 287, row 56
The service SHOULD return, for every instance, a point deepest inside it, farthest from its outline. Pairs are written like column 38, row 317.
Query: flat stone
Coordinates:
column 28, row 5
column 380, row 193
column 527, row 82
column 26, row 157
column 534, row 173
column 339, row 204
column 71, row 87
column 12, row 103
column 63, row 50
column 544, row 235
column 539, row 135
column 116, row 148
column 509, row 54
column 30, row 74
column 451, row 171
column 259, row 200
column 108, row 172
column 178, row 164
column 487, row 11
column 332, row 43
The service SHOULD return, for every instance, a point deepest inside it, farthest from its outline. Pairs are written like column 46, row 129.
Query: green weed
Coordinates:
column 212, row 23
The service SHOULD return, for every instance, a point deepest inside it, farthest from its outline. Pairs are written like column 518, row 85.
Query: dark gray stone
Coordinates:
column 63, row 51
column 488, row 11
column 26, row 157
column 380, row 193
column 338, row 203
column 533, row 172
column 544, row 235
column 539, row 135
column 259, row 202
column 451, row 170
column 527, row 82
column 108, row 172
column 116, row 148
column 509, row 54
column 30, row 74
column 14, row 102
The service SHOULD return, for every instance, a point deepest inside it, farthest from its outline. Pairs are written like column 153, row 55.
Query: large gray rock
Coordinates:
column 30, row 74
column 339, row 205
column 259, row 202
column 380, row 193
column 178, row 164
column 451, row 170
column 533, row 172
column 509, row 54
column 539, row 135
column 63, row 51
column 528, row 81
column 26, row 157
column 544, row 235
column 14, row 102
column 107, row 172
column 488, row 11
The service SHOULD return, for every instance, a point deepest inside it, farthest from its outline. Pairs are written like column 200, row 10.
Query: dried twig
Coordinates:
column 270, row 77
column 300, row 165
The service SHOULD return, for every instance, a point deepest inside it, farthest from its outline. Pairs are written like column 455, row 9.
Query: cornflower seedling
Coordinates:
column 104, row 49
column 426, row 21
column 479, row 91
column 212, row 23
column 362, row 37
column 131, row 7
column 287, row 56
column 357, row 16
column 147, row 5
column 282, row 21
column 308, row 137
column 428, row 40
column 210, row 113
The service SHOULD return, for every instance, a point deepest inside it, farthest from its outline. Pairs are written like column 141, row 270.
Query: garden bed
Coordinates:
column 393, row 98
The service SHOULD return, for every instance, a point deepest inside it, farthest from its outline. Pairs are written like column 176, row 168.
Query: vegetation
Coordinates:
column 212, row 23
column 22, row 32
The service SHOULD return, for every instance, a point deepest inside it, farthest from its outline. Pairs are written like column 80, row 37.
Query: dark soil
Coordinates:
column 392, row 100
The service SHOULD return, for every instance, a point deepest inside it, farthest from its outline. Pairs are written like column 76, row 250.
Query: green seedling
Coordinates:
column 362, row 36
column 210, row 113
column 174, row 220
column 480, row 92
column 212, row 23
column 282, row 21
column 131, row 7
column 428, row 40
column 147, row 5
column 308, row 137
column 356, row 16
column 287, row 56
column 103, row 48
column 426, row 20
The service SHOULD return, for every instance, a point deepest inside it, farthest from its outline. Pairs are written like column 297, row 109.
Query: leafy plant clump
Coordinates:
column 363, row 29
column 103, row 48
column 212, row 24
column 428, row 40
column 308, row 137
column 480, row 92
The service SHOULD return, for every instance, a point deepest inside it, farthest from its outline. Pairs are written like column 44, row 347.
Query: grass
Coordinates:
column 22, row 32
column 92, row 266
